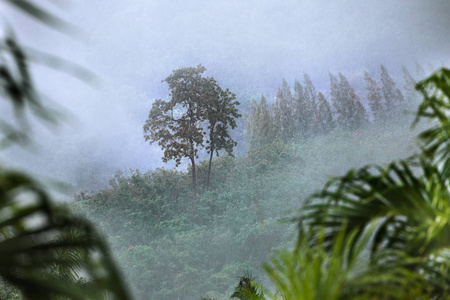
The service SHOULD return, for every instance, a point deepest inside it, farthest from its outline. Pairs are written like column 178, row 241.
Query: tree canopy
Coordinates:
column 197, row 105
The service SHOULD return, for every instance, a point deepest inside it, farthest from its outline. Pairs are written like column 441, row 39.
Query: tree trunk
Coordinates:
column 209, row 167
column 194, row 182
column 212, row 144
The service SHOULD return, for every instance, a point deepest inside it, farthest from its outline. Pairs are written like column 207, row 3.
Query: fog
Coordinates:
column 248, row 46
column 180, row 237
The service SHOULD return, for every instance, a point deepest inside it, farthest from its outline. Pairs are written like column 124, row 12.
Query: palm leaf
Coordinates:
column 41, row 15
column 435, row 142
column 44, row 251
column 409, row 201
column 247, row 289
column 339, row 271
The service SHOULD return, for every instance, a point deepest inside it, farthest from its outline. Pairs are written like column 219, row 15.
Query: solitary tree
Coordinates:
column 179, row 125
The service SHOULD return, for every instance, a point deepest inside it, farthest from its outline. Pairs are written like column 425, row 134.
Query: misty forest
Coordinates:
column 253, row 150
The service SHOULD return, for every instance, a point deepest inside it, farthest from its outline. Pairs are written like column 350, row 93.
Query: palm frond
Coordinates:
column 409, row 203
column 340, row 271
column 247, row 289
column 42, row 15
column 44, row 251
column 435, row 142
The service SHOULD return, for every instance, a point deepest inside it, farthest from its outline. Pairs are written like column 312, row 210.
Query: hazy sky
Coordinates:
column 248, row 46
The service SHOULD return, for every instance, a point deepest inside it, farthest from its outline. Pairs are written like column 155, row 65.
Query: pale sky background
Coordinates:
column 248, row 46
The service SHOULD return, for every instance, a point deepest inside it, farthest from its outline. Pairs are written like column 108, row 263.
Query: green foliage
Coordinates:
column 221, row 114
column 173, row 254
column 43, row 249
column 176, row 125
column 376, row 232
column 312, row 272
column 247, row 289
column 260, row 127
column 407, row 201
column 435, row 141
column 235, row 228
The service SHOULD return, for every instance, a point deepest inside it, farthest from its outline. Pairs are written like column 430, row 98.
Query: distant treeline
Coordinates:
column 303, row 112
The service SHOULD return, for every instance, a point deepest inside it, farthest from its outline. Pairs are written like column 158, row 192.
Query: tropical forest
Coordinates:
column 203, row 150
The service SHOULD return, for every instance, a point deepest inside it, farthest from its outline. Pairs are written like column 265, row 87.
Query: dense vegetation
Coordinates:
column 375, row 232
column 169, row 249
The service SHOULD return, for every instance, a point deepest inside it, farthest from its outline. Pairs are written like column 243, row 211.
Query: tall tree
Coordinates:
column 336, row 99
column 310, row 110
column 284, row 100
column 374, row 97
column 419, row 71
column 264, row 123
column 221, row 114
column 351, row 112
column 356, row 113
column 392, row 95
column 411, row 95
column 275, row 112
column 250, row 124
column 299, row 108
column 177, row 125
column 324, row 116
column 259, row 125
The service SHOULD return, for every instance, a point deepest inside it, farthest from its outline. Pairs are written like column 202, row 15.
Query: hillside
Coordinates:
column 170, row 248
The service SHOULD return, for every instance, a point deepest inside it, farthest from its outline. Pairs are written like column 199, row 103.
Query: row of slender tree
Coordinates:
column 377, row 232
column 305, row 112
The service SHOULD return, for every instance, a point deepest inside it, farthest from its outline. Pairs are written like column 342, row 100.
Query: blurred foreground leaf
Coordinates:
column 43, row 16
